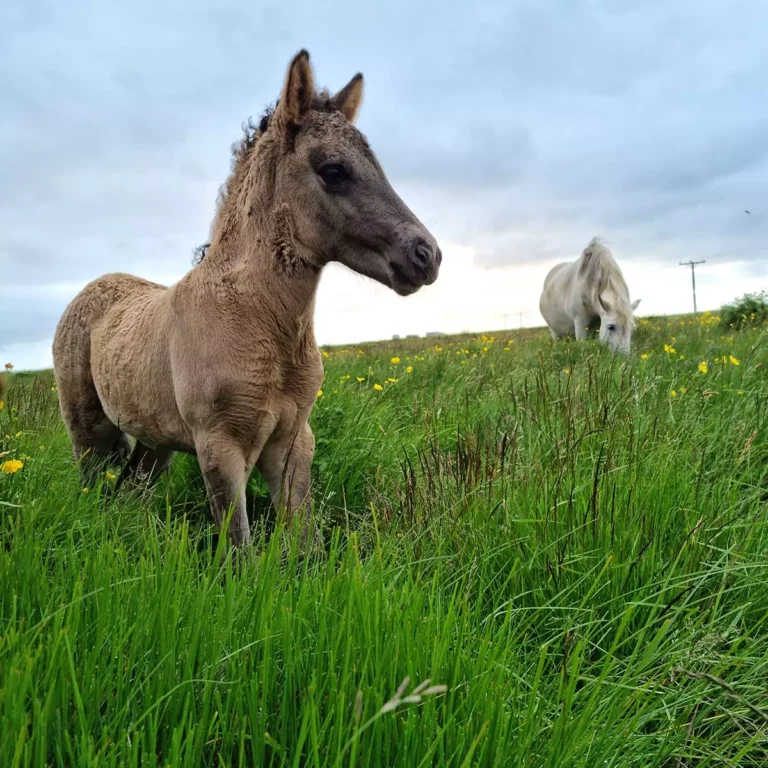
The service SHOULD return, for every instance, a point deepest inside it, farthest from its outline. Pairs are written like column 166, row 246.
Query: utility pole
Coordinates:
column 521, row 318
column 692, row 265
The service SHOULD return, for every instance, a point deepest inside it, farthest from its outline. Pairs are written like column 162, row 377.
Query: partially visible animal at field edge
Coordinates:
column 224, row 364
column 591, row 292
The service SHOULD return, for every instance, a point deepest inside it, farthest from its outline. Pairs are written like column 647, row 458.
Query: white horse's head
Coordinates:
column 617, row 322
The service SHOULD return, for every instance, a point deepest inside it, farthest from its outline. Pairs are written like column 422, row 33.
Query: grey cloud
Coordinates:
column 519, row 130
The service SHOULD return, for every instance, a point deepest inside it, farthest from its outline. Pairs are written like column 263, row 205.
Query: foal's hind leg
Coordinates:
column 96, row 441
column 145, row 464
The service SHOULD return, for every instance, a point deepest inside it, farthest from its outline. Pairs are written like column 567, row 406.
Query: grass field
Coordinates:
column 576, row 546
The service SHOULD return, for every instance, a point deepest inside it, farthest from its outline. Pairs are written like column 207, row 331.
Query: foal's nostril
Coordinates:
column 438, row 256
column 422, row 254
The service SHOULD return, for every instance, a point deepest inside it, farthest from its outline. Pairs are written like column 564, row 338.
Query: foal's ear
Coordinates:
column 298, row 91
column 349, row 98
column 635, row 304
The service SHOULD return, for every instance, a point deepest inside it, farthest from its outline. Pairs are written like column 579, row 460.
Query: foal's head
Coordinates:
column 617, row 322
column 328, row 197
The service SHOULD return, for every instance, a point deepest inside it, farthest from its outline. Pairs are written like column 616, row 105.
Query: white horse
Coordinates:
column 581, row 295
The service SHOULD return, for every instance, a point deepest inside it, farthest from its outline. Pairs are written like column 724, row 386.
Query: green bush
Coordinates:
column 748, row 311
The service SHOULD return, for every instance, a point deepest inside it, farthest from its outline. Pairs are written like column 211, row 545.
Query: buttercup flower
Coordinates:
column 673, row 393
column 319, row 392
column 567, row 371
column 669, row 349
column 409, row 369
column 391, row 381
column 361, row 379
column 378, row 387
column 644, row 356
column 733, row 360
column 703, row 367
column 395, row 361
column 110, row 475
column 11, row 466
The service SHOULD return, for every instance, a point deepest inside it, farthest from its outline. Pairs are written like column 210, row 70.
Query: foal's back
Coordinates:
column 103, row 309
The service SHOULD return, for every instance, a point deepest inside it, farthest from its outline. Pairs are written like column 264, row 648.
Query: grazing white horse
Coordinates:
column 580, row 295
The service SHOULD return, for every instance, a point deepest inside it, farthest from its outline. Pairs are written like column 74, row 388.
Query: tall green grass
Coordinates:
column 578, row 554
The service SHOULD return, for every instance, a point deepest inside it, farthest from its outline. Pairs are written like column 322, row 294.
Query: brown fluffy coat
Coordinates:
column 224, row 364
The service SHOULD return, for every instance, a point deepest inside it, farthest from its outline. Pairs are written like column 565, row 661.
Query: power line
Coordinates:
column 692, row 265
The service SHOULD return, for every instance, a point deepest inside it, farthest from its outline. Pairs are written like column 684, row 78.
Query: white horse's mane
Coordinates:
column 601, row 274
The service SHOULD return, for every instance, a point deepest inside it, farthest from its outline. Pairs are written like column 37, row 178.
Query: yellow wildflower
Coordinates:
column 86, row 490
column 409, row 369
column 644, row 356
column 395, row 361
column 485, row 350
column 392, row 381
column 673, row 393
column 669, row 349
column 11, row 466
column 2, row 405
column 360, row 379
column 319, row 392
column 438, row 349
column 682, row 357
column 683, row 390
column 110, row 475
column 567, row 371
column 733, row 360
column 17, row 435
column 703, row 367
column 740, row 392
column 378, row 387
column 325, row 355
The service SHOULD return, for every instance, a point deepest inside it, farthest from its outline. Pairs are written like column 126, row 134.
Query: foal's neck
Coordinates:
column 266, row 297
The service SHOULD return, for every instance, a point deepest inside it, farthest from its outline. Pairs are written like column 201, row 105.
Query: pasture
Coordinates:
column 574, row 544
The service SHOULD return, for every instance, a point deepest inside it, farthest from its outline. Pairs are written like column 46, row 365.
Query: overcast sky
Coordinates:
column 515, row 130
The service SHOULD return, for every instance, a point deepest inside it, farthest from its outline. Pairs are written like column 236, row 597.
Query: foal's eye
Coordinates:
column 611, row 327
column 333, row 174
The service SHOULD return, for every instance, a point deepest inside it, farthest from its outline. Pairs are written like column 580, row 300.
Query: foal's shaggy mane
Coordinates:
column 241, row 152
column 602, row 274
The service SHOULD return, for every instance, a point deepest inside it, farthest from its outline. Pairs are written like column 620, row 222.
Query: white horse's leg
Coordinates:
column 581, row 327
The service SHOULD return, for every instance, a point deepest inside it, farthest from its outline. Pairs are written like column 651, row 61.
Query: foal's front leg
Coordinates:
column 225, row 472
column 285, row 465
